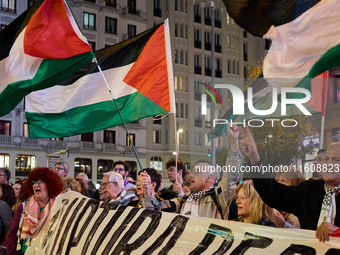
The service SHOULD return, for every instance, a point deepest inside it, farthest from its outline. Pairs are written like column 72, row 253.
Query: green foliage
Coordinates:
column 221, row 157
column 253, row 73
column 282, row 145
column 285, row 144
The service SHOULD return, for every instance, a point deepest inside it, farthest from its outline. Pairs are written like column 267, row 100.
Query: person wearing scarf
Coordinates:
column 114, row 190
column 207, row 199
column 316, row 203
column 43, row 185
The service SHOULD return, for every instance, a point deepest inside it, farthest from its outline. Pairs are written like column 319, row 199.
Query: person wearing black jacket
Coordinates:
column 315, row 202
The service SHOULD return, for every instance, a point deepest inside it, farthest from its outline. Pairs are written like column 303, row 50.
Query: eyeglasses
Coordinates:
column 58, row 168
column 2, row 175
column 118, row 169
column 106, row 183
column 37, row 183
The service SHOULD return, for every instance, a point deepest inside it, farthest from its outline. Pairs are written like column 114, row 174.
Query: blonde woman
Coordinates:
column 250, row 206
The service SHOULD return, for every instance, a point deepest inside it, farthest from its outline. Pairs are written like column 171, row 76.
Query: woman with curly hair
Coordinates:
column 43, row 185
column 250, row 206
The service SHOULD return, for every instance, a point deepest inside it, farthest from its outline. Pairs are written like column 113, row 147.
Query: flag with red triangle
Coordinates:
column 39, row 49
column 139, row 74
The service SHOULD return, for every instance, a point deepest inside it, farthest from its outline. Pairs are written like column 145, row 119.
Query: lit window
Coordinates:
column 89, row 21
column 24, row 164
column 83, row 165
column 156, row 162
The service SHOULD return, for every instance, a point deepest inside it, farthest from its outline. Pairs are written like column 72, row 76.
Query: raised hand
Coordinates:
column 177, row 188
column 233, row 133
column 248, row 145
column 145, row 182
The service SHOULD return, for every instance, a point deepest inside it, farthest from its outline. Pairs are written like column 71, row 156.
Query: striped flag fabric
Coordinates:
column 305, row 36
column 139, row 74
column 39, row 49
column 305, row 45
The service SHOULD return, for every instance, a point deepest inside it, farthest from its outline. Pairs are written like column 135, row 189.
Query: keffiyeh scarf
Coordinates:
column 33, row 219
column 328, row 209
column 123, row 198
column 192, row 203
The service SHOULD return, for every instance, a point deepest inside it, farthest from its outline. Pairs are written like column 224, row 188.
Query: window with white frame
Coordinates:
column 156, row 162
column 198, row 139
column 89, row 21
column 157, row 136
column 8, row 6
column 4, row 160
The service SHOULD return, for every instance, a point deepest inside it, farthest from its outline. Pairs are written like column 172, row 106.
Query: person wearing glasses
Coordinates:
column 209, row 197
column 61, row 168
column 114, row 190
column 316, row 203
column 318, row 161
column 43, row 186
column 123, row 169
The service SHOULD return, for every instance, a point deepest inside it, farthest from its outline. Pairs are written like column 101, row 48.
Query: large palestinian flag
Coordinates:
column 305, row 46
column 139, row 74
column 39, row 49
column 305, row 36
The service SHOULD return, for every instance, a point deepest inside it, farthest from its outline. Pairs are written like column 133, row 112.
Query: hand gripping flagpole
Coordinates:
column 94, row 60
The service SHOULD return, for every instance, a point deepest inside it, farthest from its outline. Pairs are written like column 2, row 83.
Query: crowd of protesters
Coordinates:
column 287, row 201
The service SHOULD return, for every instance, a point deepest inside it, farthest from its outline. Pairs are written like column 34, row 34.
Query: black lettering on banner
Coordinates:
column 118, row 231
column 178, row 224
column 107, row 208
column 251, row 241
column 54, row 222
column 73, row 241
column 333, row 252
column 299, row 249
column 68, row 226
column 213, row 231
column 62, row 223
column 123, row 245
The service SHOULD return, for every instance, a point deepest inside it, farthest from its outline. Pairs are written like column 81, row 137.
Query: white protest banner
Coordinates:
column 79, row 225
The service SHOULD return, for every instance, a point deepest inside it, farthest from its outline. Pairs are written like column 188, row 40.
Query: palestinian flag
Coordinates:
column 139, row 74
column 39, row 49
column 305, row 36
column 305, row 46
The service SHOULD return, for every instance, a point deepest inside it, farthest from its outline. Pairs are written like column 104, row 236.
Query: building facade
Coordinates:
column 108, row 22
